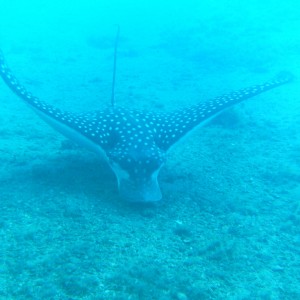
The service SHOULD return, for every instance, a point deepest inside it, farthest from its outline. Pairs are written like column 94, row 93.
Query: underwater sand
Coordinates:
column 228, row 226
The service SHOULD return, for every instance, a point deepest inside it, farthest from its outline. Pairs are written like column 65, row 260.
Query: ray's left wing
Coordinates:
column 177, row 124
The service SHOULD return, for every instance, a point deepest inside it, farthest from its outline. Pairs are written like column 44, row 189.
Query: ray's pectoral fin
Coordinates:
column 71, row 125
column 178, row 124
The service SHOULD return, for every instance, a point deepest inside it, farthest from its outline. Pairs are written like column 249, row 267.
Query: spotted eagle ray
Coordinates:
column 133, row 142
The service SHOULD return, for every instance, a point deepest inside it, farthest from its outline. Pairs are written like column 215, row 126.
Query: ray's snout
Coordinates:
column 137, row 173
column 140, row 190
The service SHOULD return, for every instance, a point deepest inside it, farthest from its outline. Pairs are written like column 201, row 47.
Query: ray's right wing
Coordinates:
column 37, row 105
column 77, row 127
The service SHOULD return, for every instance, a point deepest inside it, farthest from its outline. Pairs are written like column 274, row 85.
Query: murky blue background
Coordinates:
column 228, row 224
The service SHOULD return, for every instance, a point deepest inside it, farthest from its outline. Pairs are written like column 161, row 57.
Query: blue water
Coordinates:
column 228, row 225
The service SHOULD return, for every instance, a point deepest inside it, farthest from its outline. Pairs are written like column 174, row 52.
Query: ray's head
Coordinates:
column 136, row 170
column 129, row 140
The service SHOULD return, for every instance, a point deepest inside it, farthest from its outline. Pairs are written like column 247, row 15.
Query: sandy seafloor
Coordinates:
column 228, row 226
